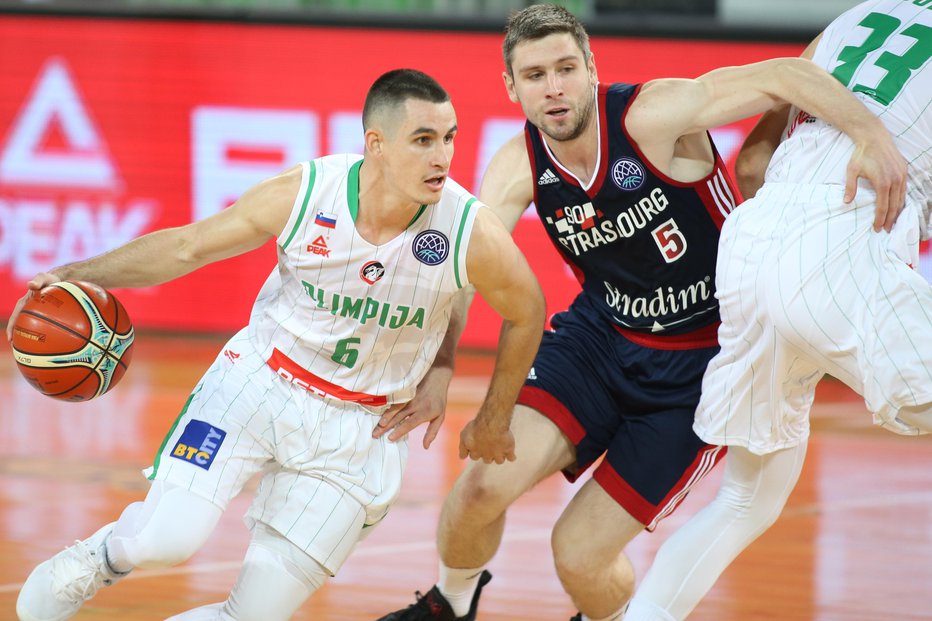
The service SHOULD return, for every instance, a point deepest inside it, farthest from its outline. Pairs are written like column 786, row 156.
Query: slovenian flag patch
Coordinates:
column 326, row 220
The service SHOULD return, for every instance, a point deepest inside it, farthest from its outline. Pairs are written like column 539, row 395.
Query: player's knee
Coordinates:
column 178, row 527
column 275, row 580
column 480, row 497
column 165, row 551
column 577, row 558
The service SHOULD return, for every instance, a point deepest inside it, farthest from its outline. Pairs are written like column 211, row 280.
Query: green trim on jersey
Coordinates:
column 459, row 241
column 416, row 216
column 307, row 198
column 352, row 195
column 158, row 456
column 352, row 190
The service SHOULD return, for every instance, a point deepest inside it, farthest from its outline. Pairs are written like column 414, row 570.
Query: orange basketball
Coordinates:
column 73, row 341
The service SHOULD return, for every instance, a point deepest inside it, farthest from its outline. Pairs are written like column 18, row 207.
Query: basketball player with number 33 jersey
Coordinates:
column 354, row 321
column 632, row 193
column 813, row 279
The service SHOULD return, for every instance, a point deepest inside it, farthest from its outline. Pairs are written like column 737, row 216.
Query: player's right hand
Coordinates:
column 480, row 441
column 880, row 163
column 38, row 282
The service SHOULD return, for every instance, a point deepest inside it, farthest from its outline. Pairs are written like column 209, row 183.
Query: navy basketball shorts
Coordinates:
column 633, row 403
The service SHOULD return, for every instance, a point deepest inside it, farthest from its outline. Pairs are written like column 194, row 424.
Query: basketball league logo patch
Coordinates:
column 431, row 247
column 628, row 174
column 199, row 443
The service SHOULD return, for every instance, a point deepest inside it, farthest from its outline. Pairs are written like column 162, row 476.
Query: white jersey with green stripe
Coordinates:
column 366, row 319
column 879, row 50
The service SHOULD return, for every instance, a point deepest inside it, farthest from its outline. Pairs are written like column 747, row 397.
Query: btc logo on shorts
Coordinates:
column 199, row 444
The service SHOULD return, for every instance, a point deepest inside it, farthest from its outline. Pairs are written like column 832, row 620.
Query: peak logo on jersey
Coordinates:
column 372, row 272
column 431, row 247
column 319, row 246
column 199, row 443
column 326, row 220
column 547, row 178
column 628, row 174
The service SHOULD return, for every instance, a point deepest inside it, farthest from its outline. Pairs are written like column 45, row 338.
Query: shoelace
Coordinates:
column 85, row 581
column 428, row 607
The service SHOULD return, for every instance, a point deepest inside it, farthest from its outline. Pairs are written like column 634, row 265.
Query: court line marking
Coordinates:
column 907, row 498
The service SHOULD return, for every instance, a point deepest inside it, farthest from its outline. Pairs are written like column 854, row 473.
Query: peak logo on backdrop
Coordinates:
column 54, row 141
column 61, row 195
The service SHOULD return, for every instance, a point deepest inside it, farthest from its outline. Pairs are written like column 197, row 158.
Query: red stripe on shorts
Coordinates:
column 697, row 339
column 549, row 406
column 641, row 509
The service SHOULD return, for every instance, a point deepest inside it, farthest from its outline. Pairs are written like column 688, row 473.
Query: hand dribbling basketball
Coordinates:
column 71, row 340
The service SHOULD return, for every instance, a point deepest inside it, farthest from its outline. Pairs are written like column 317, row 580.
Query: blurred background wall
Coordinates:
column 120, row 117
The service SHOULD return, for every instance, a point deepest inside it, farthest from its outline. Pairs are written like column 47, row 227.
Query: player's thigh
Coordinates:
column 220, row 438
column 593, row 529
column 541, row 449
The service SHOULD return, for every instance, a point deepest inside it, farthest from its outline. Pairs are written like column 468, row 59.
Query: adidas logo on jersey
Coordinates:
column 319, row 246
column 547, row 178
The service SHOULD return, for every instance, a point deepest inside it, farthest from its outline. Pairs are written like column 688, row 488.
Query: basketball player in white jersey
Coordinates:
column 372, row 252
column 612, row 169
column 811, row 285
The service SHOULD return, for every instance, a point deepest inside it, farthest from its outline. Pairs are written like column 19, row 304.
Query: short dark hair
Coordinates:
column 538, row 21
column 397, row 86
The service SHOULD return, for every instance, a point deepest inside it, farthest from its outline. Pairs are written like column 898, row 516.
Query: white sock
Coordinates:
column 458, row 586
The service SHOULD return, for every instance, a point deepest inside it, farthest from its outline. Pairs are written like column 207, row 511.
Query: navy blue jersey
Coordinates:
column 642, row 245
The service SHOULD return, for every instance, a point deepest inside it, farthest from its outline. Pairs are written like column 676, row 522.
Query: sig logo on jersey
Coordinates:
column 199, row 443
column 431, row 247
column 372, row 272
column 628, row 174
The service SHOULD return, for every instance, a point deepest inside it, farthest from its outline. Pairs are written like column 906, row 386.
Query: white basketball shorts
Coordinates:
column 324, row 478
column 807, row 288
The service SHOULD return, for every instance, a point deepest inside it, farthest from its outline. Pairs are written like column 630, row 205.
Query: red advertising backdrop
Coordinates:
column 113, row 128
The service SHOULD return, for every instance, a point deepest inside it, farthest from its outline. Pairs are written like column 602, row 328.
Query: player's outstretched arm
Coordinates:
column 502, row 276
column 762, row 142
column 257, row 216
column 260, row 214
column 668, row 109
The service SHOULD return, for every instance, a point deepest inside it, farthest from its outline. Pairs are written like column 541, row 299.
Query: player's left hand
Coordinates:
column 487, row 442
column 38, row 282
column 428, row 406
column 880, row 163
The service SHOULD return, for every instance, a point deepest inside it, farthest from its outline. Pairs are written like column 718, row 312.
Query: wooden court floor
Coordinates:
column 854, row 544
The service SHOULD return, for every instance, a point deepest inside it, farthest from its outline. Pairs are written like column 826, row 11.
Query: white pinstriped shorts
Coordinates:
column 324, row 478
column 807, row 289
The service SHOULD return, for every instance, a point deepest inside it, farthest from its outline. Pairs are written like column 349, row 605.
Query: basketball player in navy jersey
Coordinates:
column 633, row 194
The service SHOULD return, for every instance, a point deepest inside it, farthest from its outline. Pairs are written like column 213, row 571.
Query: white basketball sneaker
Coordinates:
column 57, row 588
